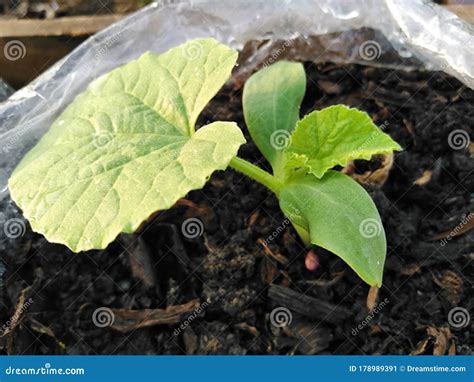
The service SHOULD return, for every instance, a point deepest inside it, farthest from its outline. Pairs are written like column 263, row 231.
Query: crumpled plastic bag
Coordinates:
column 389, row 33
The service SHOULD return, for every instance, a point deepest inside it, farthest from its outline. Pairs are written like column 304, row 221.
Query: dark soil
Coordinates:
column 239, row 283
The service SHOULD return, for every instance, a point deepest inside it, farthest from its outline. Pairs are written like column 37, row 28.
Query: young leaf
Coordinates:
column 336, row 213
column 334, row 136
column 271, row 102
column 126, row 147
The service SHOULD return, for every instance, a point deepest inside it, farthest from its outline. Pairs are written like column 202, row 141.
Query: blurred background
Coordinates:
column 49, row 29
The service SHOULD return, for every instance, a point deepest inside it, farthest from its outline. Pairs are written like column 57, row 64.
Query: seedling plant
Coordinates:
column 128, row 147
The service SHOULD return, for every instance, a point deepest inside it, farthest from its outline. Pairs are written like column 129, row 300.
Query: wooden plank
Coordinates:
column 64, row 26
column 464, row 11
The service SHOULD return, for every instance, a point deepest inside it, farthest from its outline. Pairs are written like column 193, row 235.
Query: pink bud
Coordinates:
column 311, row 261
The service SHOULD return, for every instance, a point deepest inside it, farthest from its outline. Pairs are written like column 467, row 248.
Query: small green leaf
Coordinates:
column 334, row 136
column 336, row 213
column 126, row 147
column 271, row 102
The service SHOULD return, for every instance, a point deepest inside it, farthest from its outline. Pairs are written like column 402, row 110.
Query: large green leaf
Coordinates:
column 334, row 136
column 271, row 102
column 126, row 147
column 336, row 213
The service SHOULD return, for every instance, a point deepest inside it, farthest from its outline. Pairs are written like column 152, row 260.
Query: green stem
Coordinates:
column 256, row 173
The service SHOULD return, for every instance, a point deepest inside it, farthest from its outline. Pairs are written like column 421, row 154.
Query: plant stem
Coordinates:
column 256, row 173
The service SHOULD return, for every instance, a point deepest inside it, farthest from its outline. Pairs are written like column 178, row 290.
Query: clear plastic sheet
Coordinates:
column 388, row 33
